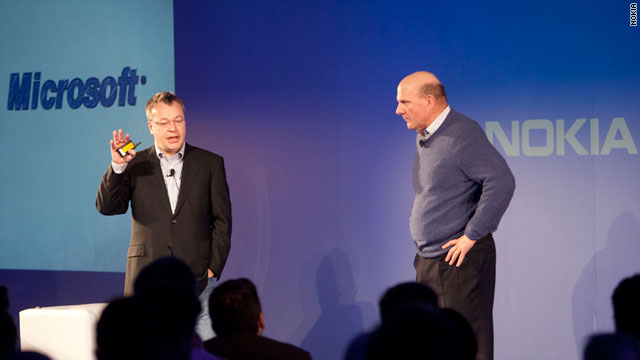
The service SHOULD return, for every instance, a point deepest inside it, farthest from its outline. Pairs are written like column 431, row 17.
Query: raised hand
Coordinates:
column 120, row 139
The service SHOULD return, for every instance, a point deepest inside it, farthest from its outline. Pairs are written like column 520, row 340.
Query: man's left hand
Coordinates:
column 210, row 273
column 458, row 249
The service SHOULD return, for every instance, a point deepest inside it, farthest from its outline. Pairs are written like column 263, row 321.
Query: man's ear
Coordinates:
column 430, row 100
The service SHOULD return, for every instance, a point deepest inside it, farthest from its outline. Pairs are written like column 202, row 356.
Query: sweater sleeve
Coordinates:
column 482, row 163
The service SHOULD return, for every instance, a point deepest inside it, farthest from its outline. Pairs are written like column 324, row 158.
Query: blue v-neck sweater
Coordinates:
column 462, row 185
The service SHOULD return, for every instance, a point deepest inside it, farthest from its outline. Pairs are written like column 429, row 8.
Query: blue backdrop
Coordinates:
column 299, row 98
column 73, row 72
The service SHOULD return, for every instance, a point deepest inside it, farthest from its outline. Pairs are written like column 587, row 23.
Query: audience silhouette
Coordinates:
column 625, row 343
column 9, row 333
column 626, row 306
column 4, row 298
column 238, row 321
column 404, row 293
column 158, row 321
column 617, row 346
column 415, row 331
column 413, row 327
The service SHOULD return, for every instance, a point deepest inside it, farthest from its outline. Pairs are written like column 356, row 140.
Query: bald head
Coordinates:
column 426, row 83
column 421, row 98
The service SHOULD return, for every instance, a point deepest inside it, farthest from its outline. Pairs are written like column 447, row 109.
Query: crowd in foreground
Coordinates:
column 158, row 322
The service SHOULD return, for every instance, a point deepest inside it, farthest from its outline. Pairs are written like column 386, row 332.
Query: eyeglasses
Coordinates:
column 165, row 123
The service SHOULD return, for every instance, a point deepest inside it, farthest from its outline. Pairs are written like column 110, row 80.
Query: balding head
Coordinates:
column 421, row 98
column 426, row 83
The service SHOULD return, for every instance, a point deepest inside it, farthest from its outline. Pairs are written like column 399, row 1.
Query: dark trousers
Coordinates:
column 468, row 289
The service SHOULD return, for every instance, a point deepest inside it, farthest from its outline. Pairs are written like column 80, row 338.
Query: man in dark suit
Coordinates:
column 179, row 196
column 237, row 319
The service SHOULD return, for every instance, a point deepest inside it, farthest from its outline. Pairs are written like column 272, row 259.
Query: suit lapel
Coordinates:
column 159, row 187
column 190, row 169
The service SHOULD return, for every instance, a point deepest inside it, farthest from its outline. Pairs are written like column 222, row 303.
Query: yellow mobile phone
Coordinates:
column 124, row 149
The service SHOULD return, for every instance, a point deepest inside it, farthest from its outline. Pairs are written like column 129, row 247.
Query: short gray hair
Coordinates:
column 166, row 97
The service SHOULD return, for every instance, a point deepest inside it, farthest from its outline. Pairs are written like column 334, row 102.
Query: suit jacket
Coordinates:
column 199, row 232
column 248, row 346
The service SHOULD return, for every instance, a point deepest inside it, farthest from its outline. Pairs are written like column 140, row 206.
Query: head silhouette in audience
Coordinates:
column 158, row 321
column 125, row 331
column 133, row 328
column 8, row 333
column 165, row 273
column 4, row 298
column 404, row 293
column 617, row 346
column 415, row 331
column 626, row 306
column 414, row 327
column 237, row 318
column 235, row 308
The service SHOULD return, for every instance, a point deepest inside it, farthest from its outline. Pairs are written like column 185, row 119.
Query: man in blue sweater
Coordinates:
column 462, row 188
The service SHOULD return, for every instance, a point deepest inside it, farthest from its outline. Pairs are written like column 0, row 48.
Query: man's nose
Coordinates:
column 398, row 110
